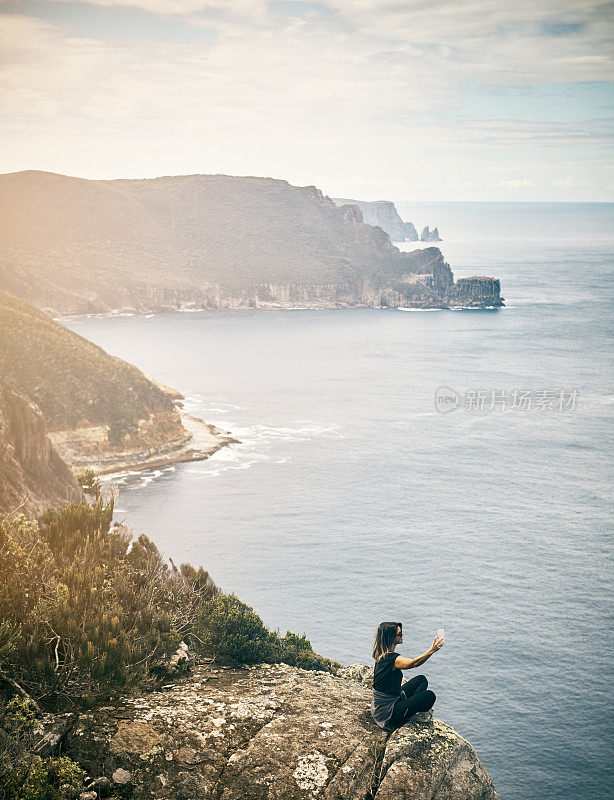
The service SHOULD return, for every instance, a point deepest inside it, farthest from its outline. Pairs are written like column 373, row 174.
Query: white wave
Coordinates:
column 119, row 477
column 473, row 308
column 255, row 442
column 257, row 445
column 208, row 405
column 230, row 455
column 214, row 467
column 258, row 435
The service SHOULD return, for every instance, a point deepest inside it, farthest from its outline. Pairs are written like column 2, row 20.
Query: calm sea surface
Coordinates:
column 352, row 500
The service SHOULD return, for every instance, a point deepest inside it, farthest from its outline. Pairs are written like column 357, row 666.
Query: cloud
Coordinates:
column 372, row 91
column 185, row 7
column 518, row 183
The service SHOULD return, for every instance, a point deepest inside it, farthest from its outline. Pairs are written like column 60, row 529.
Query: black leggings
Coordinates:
column 414, row 697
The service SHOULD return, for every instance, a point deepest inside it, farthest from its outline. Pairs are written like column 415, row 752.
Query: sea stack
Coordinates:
column 428, row 235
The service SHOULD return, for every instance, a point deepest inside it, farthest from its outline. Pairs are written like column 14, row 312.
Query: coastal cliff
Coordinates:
column 100, row 412
column 32, row 474
column 476, row 291
column 155, row 685
column 269, row 731
column 384, row 215
column 73, row 246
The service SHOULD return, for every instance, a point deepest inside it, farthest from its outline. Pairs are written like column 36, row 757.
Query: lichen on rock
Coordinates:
column 270, row 732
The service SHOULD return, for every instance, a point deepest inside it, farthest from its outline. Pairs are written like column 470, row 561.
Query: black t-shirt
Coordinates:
column 386, row 678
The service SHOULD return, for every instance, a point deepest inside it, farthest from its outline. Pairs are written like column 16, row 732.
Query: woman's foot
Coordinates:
column 421, row 716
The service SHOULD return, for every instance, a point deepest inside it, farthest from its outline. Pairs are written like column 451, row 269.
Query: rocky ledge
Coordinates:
column 188, row 438
column 267, row 732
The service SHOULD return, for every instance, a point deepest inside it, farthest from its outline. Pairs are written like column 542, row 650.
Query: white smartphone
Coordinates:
column 441, row 633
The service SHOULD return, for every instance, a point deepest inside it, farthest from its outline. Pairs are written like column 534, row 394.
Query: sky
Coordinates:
column 482, row 100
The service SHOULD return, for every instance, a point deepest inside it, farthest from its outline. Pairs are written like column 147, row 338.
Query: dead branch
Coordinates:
column 20, row 691
column 15, row 510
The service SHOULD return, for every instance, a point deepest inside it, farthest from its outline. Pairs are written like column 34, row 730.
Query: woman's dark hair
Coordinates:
column 384, row 638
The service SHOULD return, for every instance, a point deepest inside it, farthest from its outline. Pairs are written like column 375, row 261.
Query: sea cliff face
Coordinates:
column 384, row 214
column 432, row 286
column 72, row 246
column 268, row 732
column 32, row 474
column 476, row 292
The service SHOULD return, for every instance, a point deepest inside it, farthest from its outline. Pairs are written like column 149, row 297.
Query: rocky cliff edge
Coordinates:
column 32, row 474
column 268, row 732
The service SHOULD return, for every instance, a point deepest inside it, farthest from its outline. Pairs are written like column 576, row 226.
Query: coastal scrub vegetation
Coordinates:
column 71, row 380
column 87, row 611
column 24, row 774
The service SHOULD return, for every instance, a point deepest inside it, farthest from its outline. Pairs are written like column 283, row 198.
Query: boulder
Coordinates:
column 49, row 733
column 101, row 786
column 178, row 663
column 423, row 761
column 269, row 732
column 357, row 672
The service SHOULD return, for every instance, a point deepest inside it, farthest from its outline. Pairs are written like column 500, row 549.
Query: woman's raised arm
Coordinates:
column 401, row 662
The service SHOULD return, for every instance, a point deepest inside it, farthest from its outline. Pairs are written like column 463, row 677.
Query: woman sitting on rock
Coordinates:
column 393, row 705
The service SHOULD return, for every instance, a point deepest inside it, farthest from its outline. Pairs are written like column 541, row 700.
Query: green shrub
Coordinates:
column 298, row 652
column 85, row 612
column 27, row 777
column 231, row 631
column 90, row 484
column 93, row 613
column 42, row 779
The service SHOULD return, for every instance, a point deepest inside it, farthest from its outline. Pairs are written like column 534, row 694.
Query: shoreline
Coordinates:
column 114, row 313
column 202, row 440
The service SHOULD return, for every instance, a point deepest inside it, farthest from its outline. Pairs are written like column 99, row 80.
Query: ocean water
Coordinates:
column 353, row 500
